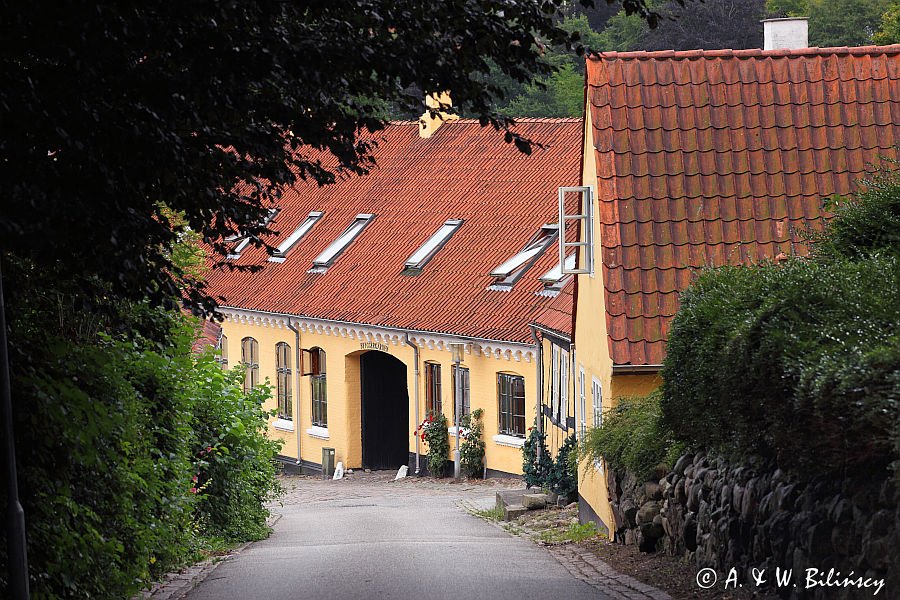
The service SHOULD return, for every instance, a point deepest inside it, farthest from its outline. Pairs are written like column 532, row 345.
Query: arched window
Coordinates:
column 223, row 352
column 511, row 396
column 283, row 380
column 250, row 360
column 316, row 372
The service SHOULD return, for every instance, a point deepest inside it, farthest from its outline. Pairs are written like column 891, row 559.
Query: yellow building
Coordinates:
column 704, row 158
column 369, row 284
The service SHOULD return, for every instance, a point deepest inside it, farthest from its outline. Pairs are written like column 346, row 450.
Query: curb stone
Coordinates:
column 176, row 585
column 582, row 564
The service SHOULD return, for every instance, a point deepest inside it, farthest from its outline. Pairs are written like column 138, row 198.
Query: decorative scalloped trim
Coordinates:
column 381, row 335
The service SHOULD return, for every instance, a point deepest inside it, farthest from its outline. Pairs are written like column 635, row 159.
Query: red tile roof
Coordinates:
column 715, row 157
column 557, row 317
column 208, row 334
column 463, row 172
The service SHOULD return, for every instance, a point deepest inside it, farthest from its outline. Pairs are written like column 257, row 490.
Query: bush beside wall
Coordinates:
column 111, row 411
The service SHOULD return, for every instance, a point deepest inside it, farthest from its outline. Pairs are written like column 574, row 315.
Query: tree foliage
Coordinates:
column 115, row 113
column 710, row 25
column 889, row 28
column 836, row 22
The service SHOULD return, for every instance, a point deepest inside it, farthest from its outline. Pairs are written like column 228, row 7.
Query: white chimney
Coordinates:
column 789, row 33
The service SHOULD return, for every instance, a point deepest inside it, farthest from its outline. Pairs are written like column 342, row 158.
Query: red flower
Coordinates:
column 193, row 490
column 194, row 479
column 209, row 448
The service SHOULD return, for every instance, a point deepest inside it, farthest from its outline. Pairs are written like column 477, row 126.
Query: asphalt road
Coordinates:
column 390, row 542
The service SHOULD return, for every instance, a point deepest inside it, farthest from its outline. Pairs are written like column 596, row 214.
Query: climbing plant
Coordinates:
column 563, row 478
column 471, row 450
column 433, row 431
column 536, row 461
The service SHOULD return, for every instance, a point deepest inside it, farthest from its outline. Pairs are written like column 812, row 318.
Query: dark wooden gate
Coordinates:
column 385, row 411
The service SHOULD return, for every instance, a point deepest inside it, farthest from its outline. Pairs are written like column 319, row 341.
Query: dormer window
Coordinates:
column 299, row 233
column 508, row 273
column 426, row 251
column 330, row 254
column 241, row 245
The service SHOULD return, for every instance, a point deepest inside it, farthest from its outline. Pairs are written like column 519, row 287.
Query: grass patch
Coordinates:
column 490, row 514
column 574, row 533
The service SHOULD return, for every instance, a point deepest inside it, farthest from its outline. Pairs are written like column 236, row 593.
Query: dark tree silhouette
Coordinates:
column 113, row 113
column 710, row 24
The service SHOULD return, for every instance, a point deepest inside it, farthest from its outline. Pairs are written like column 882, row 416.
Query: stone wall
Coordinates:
column 753, row 516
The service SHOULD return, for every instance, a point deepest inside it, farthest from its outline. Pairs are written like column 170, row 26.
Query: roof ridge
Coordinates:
column 752, row 52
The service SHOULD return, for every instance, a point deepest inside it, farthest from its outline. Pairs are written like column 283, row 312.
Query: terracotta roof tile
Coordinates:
column 464, row 171
column 721, row 157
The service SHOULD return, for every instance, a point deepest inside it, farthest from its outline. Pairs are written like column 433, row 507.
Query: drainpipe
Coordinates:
column 540, row 381
column 299, row 373
column 416, row 360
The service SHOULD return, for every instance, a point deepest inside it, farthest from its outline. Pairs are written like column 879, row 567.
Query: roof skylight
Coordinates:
column 509, row 272
column 426, row 251
column 291, row 240
column 330, row 254
column 239, row 247
column 554, row 276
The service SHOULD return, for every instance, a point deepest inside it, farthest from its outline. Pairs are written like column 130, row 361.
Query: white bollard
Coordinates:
column 401, row 472
column 338, row 471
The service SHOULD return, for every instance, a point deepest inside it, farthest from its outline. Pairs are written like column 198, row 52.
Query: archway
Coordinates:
column 385, row 411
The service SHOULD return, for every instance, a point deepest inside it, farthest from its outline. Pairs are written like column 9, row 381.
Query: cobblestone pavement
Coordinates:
column 468, row 496
column 582, row 564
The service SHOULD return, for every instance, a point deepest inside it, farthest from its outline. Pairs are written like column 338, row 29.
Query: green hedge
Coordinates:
column 800, row 361
column 111, row 409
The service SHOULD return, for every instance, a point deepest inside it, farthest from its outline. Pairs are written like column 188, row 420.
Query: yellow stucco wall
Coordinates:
column 343, row 391
column 591, row 339
column 592, row 348
column 624, row 386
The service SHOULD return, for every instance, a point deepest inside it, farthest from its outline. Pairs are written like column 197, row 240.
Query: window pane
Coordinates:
column 337, row 246
column 430, row 247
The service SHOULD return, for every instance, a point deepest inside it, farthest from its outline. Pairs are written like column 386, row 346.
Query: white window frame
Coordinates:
column 330, row 254
column 241, row 245
column 433, row 244
column 512, row 269
column 296, row 236
column 554, row 380
column 563, row 387
column 582, row 403
column 597, row 402
column 555, row 276
column 586, row 218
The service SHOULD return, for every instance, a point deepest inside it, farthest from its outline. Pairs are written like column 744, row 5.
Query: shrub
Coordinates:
column 633, row 437
column 105, row 400
column 563, row 476
column 236, row 462
column 471, row 451
column 863, row 225
column 536, row 460
column 798, row 362
column 434, row 432
column 103, row 442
